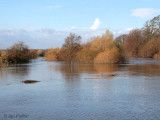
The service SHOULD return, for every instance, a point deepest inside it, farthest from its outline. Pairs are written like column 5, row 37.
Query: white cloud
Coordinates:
column 145, row 12
column 129, row 29
column 122, row 31
column 95, row 24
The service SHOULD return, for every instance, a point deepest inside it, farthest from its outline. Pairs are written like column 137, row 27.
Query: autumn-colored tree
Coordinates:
column 71, row 46
column 149, row 49
column 52, row 54
column 144, row 42
column 104, row 42
column 132, row 43
column 86, row 54
column 94, row 50
column 109, row 56
column 33, row 53
column 107, row 41
column 120, row 41
column 18, row 53
column 151, row 28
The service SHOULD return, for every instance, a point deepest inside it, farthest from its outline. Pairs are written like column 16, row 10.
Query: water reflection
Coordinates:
column 86, row 91
column 75, row 72
column 86, row 71
column 144, row 70
column 14, row 73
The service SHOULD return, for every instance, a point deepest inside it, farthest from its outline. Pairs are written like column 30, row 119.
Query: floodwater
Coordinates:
column 128, row 91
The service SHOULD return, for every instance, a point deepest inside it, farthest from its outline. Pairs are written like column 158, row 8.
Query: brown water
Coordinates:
column 81, row 91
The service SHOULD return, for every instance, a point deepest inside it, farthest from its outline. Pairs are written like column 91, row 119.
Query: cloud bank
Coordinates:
column 43, row 38
column 48, row 38
column 145, row 12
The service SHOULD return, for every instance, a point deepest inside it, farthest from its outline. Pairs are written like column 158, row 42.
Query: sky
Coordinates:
column 46, row 23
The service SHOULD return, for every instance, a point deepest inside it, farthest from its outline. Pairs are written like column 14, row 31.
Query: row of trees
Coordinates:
column 18, row 53
column 143, row 42
column 98, row 50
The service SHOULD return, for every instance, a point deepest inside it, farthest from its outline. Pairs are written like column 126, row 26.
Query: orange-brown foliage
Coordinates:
column 151, row 48
column 52, row 54
column 41, row 53
column 156, row 56
column 86, row 54
column 132, row 43
column 109, row 56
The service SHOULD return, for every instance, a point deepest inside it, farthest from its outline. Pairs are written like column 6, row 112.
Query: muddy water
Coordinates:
column 128, row 91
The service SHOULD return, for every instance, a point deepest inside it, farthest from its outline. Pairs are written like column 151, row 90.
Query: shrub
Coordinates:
column 86, row 54
column 52, row 54
column 33, row 54
column 4, row 62
column 17, row 53
column 109, row 56
column 157, row 56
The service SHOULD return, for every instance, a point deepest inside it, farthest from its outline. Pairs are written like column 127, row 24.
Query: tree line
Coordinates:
column 18, row 53
column 144, row 42
column 100, row 49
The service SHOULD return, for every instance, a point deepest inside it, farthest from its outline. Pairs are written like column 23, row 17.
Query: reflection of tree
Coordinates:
column 145, row 70
column 106, row 70
column 21, row 70
column 68, row 71
column 73, row 72
column 15, row 70
column 3, row 73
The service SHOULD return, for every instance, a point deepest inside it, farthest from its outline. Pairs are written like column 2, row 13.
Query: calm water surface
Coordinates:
column 81, row 91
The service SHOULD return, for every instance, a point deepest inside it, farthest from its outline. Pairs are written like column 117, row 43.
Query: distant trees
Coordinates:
column 151, row 28
column 90, row 52
column 144, row 42
column 133, row 43
column 52, row 54
column 17, row 53
column 41, row 53
column 68, row 51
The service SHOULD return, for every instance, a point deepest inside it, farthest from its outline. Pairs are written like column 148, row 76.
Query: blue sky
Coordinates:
column 48, row 22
